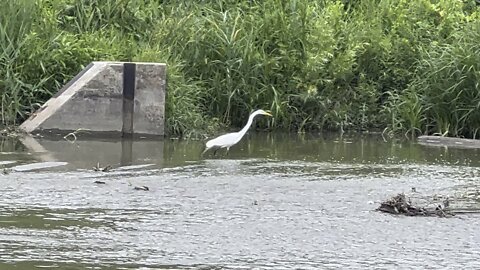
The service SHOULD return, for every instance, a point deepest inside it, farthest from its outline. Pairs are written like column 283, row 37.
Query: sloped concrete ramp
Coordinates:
column 106, row 99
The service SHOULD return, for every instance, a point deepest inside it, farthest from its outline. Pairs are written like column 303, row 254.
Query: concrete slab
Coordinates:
column 449, row 142
column 106, row 100
column 149, row 109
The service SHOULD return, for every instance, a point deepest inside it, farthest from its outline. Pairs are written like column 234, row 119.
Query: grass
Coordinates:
column 400, row 66
column 448, row 83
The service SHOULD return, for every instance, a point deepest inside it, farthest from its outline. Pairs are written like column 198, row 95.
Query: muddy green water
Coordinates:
column 275, row 202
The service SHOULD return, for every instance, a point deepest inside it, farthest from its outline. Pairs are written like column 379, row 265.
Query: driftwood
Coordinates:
column 402, row 205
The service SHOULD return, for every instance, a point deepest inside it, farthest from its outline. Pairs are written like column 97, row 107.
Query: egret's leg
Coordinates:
column 226, row 153
column 214, row 152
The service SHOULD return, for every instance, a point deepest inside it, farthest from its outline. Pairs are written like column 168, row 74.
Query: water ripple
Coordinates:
column 233, row 214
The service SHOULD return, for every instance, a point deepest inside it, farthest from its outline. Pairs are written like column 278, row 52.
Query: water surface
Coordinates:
column 274, row 202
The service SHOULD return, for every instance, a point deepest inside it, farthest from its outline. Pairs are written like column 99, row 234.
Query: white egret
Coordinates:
column 229, row 139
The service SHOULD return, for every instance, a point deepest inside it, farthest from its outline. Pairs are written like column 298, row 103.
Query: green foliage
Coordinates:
column 236, row 58
column 15, row 22
column 410, row 66
column 448, row 80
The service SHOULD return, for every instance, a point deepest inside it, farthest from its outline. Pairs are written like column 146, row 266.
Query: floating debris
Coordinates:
column 6, row 171
column 401, row 204
column 97, row 168
column 11, row 132
column 72, row 136
column 144, row 188
column 99, row 182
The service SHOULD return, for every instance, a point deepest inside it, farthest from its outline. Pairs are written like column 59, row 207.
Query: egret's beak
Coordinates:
column 269, row 113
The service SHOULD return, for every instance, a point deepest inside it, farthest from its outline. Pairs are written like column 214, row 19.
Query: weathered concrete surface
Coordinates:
column 448, row 142
column 149, row 114
column 94, row 102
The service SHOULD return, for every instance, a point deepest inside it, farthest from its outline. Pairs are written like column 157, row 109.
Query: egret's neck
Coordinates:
column 247, row 126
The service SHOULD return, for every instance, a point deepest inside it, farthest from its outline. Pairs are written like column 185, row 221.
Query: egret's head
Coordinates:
column 263, row 112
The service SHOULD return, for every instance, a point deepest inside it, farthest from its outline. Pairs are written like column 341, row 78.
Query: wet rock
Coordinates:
column 99, row 182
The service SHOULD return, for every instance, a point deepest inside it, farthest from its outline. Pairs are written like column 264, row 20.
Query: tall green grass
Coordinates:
column 15, row 26
column 399, row 66
column 448, row 84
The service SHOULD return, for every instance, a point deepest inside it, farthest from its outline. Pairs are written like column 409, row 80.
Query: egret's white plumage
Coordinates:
column 230, row 139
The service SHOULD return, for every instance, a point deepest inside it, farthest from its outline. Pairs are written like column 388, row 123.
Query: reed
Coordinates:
column 448, row 80
column 15, row 25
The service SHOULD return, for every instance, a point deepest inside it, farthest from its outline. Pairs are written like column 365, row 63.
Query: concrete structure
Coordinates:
column 449, row 142
column 106, row 98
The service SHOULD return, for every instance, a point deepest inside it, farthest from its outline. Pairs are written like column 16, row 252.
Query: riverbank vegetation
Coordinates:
column 394, row 65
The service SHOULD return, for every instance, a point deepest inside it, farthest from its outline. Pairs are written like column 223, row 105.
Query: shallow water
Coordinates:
column 275, row 202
